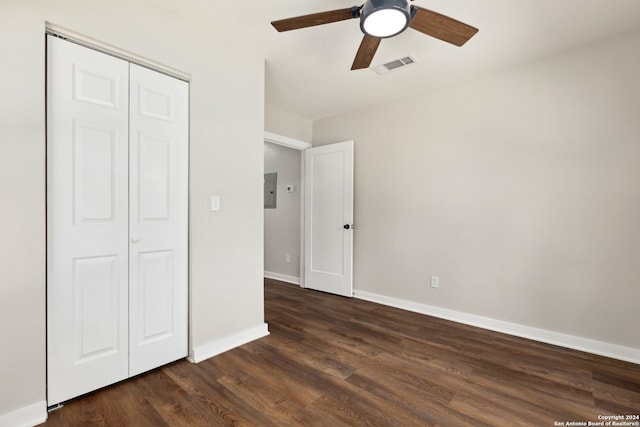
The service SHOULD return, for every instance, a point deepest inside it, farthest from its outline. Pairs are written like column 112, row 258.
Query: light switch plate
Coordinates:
column 435, row 281
column 215, row 203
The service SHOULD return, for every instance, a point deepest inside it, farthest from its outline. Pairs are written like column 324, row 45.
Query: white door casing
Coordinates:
column 87, row 219
column 158, row 219
column 117, row 219
column 329, row 218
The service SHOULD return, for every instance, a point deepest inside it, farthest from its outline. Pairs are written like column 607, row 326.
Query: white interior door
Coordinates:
column 329, row 218
column 158, row 219
column 87, row 220
column 117, row 219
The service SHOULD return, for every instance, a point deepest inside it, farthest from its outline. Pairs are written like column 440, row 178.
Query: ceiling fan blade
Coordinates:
column 314, row 19
column 366, row 51
column 441, row 27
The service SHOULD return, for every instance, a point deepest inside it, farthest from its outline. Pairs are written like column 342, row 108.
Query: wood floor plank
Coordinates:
column 335, row 361
column 430, row 405
column 356, row 406
column 622, row 379
column 291, row 387
column 610, row 393
column 211, row 400
column 262, row 397
column 546, row 398
column 120, row 404
column 501, row 414
column 177, row 406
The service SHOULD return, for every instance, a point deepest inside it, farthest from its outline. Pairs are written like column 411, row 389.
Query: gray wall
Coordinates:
column 226, row 251
column 282, row 225
column 521, row 191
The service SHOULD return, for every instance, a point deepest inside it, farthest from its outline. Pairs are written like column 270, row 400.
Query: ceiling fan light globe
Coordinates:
column 384, row 18
column 385, row 23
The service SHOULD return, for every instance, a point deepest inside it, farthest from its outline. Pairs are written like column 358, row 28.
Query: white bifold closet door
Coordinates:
column 117, row 226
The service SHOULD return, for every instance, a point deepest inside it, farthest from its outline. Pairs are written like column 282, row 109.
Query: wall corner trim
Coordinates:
column 213, row 348
column 27, row 416
column 285, row 141
column 627, row 354
column 282, row 277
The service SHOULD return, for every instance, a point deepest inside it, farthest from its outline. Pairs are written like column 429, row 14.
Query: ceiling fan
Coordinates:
column 381, row 19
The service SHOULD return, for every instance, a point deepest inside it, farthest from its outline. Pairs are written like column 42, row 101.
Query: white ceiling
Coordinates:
column 308, row 71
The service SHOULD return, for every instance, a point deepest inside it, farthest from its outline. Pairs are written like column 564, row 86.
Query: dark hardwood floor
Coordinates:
column 337, row 361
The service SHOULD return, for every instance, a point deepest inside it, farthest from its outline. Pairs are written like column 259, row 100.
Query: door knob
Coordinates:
column 135, row 239
column 348, row 226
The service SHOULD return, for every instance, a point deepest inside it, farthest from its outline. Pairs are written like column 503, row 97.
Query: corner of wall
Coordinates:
column 26, row 416
column 213, row 348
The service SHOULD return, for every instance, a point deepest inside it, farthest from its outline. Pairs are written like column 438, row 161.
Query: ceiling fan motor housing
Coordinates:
column 384, row 18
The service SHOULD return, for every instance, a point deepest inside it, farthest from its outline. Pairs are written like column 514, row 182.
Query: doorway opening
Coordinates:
column 325, row 221
column 284, row 217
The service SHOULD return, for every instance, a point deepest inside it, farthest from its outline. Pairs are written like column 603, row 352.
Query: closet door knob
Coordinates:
column 135, row 239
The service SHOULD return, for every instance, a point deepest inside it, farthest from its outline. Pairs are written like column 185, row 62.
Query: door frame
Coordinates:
column 296, row 144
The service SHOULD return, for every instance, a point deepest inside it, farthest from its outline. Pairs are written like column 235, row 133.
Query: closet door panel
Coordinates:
column 87, row 220
column 158, row 288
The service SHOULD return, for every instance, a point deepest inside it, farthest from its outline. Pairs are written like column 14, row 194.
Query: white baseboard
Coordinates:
column 282, row 277
column 28, row 416
column 203, row 352
column 614, row 351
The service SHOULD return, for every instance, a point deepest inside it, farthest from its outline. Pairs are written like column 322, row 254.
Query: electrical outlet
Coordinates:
column 435, row 281
column 287, row 258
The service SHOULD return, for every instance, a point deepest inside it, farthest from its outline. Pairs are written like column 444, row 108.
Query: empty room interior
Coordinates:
column 318, row 213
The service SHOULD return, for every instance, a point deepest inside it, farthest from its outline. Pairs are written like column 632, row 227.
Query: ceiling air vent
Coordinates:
column 394, row 65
